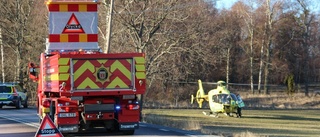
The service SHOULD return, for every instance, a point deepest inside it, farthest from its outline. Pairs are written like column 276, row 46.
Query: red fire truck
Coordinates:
column 80, row 87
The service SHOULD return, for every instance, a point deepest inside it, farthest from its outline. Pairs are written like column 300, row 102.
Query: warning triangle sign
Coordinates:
column 48, row 129
column 73, row 25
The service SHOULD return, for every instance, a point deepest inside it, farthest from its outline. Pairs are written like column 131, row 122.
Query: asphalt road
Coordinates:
column 25, row 123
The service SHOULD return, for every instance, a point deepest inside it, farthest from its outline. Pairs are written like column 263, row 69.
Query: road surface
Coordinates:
column 25, row 123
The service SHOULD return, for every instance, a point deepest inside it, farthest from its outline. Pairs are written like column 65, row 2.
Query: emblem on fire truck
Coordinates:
column 102, row 74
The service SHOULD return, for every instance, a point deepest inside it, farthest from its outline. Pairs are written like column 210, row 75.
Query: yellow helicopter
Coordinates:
column 220, row 100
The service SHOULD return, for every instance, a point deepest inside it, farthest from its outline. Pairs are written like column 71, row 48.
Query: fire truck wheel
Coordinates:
column 128, row 132
column 18, row 104
column 52, row 111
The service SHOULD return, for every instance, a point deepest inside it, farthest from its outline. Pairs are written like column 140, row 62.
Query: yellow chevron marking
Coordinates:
column 51, row 77
column 140, row 68
column 141, row 75
column 64, row 61
column 139, row 60
column 86, row 65
column 64, row 77
column 88, row 83
column 102, row 61
column 117, row 82
column 123, row 69
column 63, row 69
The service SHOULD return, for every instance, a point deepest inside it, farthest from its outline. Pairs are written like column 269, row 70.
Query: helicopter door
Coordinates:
column 215, row 104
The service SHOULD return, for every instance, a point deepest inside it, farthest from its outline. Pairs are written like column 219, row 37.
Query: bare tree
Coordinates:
column 246, row 13
column 228, row 37
column 267, row 42
column 141, row 24
column 305, row 23
column 15, row 15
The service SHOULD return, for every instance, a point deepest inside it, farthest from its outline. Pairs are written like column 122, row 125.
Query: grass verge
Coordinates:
column 254, row 122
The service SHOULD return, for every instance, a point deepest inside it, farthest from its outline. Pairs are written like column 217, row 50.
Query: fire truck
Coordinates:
column 80, row 87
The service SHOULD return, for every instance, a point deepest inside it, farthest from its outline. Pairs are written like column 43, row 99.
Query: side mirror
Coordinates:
column 33, row 71
column 33, row 74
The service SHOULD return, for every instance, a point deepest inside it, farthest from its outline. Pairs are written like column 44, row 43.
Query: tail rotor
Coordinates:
column 200, row 96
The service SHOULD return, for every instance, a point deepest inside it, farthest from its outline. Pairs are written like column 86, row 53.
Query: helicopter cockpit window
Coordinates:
column 221, row 98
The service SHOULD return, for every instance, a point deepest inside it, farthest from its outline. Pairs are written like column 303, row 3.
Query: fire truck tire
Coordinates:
column 128, row 132
column 18, row 104
column 52, row 111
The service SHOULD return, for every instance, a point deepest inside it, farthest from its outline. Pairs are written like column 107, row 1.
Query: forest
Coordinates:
column 255, row 42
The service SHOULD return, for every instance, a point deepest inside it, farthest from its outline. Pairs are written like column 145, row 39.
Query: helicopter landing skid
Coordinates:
column 228, row 114
column 210, row 114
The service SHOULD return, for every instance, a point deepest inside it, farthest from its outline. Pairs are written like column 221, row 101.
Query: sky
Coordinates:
column 228, row 3
column 225, row 3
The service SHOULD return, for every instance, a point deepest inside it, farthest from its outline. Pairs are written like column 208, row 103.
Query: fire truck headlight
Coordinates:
column 61, row 115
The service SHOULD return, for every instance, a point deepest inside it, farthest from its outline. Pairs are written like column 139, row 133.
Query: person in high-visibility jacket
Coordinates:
column 240, row 104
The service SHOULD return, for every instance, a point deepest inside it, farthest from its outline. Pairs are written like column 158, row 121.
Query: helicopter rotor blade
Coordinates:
column 192, row 98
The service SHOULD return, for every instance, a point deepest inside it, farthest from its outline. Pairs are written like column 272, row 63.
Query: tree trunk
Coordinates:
column 306, row 70
column 2, row 57
column 19, row 74
column 251, row 57
column 266, row 72
column 228, row 66
column 260, row 68
column 307, row 19
column 262, row 57
column 268, row 31
column 109, row 28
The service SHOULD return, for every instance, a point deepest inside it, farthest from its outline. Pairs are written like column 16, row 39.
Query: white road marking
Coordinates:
column 164, row 129
column 36, row 125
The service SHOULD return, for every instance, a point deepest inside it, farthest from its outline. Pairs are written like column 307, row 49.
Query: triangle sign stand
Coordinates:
column 48, row 129
column 73, row 25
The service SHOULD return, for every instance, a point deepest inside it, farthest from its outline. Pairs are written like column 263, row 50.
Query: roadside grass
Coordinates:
column 275, row 114
column 298, row 122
